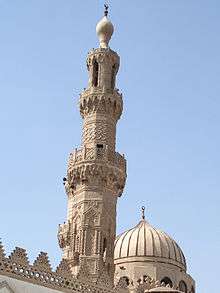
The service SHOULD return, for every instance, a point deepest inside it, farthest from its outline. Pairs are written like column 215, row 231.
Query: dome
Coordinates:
column 104, row 30
column 145, row 243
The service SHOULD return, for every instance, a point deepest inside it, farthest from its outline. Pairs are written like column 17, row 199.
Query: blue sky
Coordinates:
column 169, row 130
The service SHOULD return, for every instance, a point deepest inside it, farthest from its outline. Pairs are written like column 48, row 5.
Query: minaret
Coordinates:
column 96, row 173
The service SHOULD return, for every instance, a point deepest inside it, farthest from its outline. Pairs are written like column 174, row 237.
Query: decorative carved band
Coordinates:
column 101, row 54
column 94, row 102
column 98, row 132
column 102, row 175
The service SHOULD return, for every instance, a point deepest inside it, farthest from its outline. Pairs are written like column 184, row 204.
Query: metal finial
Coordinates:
column 143, row 212
column 106, row 9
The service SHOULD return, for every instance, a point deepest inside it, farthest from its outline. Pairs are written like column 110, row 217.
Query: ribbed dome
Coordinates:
column 149, row 244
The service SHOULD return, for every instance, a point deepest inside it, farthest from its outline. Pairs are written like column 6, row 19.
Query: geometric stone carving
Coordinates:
column 103, row 174
column 42, row 263
column 63, row 269
column 19, row 256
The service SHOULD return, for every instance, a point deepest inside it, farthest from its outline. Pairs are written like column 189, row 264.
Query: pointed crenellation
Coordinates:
column 42, row 263
column 2, row 251
column 19, row 256
column 63, row 269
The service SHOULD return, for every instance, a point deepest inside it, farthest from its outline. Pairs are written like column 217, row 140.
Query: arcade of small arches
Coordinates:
column 164, row 282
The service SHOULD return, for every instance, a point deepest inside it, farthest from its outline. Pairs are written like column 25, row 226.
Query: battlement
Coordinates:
column 17, row 266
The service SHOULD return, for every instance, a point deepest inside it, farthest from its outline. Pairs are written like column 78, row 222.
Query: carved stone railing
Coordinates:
column 102, row 154
column 100, row 90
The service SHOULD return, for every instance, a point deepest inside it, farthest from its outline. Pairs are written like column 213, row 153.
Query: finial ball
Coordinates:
column 104, row 29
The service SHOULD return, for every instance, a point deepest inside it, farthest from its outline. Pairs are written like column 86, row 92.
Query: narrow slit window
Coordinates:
column 95, row 73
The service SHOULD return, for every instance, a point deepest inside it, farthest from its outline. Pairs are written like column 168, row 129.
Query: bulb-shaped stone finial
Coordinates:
column 104, row 30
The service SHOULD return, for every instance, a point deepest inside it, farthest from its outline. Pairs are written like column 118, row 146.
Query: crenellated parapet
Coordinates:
column 17, row 266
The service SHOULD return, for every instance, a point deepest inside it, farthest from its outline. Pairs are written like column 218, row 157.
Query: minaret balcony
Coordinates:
column 99, row 154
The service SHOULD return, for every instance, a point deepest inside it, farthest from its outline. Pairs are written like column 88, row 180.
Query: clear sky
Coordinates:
column 169, row 131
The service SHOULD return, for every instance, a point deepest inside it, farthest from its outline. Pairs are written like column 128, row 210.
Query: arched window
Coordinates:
column 125, row 279
column 104, row 244
column 182, row 286
column 167, row 281
column 77, row 233
column 95, row 75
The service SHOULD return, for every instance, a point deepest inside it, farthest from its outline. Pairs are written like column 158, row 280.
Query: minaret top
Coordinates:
column 104, row 29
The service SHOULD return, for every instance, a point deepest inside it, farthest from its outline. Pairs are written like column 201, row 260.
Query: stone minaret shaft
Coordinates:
column 96, row 172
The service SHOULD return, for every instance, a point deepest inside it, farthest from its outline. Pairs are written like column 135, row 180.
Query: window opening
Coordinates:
column 167, row 281
column 95, row 73
column 182, row 286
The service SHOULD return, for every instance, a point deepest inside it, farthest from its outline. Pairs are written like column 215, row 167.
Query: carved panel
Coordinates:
column 109, row 105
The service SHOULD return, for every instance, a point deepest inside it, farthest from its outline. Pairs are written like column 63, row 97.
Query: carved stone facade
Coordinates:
column 96, row 172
